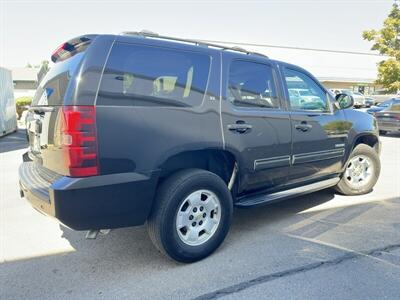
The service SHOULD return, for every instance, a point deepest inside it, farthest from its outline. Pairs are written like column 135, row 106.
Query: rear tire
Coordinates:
column 191, row 216
column 362, row 171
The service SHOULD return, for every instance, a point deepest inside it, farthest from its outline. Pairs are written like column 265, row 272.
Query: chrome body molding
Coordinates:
column 272, row 162
column 316, row 156
column 282, row 161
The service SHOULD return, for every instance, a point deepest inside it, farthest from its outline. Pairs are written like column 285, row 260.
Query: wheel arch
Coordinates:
column 217, row 161
column 368, row 139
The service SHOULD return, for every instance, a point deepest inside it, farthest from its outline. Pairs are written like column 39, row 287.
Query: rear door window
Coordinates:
column 140, row 75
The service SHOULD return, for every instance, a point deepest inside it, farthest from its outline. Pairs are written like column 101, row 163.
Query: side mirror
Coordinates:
column 344, row 101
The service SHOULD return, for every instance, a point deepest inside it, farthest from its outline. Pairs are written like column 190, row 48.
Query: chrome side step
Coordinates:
column 295, row 192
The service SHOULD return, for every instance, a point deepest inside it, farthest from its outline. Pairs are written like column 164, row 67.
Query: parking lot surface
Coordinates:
column 319, row 246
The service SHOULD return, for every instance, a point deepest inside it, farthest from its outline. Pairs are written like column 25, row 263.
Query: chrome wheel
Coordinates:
column 359, row 171
column 198, row 217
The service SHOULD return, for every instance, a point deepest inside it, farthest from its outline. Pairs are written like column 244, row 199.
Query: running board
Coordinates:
column 295, row 192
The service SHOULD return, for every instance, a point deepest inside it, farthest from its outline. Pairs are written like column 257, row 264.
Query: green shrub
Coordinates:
column 21, row 104
column 22, row 101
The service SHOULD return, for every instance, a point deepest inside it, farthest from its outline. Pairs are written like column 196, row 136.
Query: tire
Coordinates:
column 368, row 160
column 382, row 132
column 172, row 197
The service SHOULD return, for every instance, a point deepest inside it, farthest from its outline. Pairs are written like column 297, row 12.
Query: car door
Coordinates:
column 256, row 127
column 319, row 130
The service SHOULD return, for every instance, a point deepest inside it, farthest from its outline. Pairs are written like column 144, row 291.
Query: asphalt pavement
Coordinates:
column 319, row 246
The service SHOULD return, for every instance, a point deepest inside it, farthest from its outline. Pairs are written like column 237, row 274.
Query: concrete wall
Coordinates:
column 25, row 85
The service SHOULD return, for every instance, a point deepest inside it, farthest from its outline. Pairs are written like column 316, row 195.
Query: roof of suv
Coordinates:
column 189, row 42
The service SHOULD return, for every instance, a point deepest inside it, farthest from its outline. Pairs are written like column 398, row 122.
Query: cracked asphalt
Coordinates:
column 319, row 246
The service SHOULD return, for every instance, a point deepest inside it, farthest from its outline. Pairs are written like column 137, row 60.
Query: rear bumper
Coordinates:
column 98, row 202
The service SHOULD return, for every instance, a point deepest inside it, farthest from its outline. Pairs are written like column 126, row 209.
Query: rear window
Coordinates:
column 52, row 88
column 145, row 76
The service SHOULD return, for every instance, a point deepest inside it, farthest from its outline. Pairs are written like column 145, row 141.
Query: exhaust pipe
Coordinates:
column 92, row 234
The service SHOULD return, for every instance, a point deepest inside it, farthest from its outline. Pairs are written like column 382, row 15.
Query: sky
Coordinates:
column 31, row 30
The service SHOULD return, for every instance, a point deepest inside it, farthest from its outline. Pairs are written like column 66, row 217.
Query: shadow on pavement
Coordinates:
column 13, row 141
column 135, row 240
column 129, row 253
column 132, row 246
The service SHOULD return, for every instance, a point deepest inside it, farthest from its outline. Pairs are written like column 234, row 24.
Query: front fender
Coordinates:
column 364, row 127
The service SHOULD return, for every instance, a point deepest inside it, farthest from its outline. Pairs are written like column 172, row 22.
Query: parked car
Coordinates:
column 303, row 95
column 383, row 105
column 369, row 102
column 137, row 129
column 389, row 119
column 382, row 95
column 359, row 99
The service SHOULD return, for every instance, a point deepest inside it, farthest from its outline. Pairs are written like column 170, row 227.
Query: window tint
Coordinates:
column 304, row 92
column 144, row 75
column 252, row 84
column 52, row 88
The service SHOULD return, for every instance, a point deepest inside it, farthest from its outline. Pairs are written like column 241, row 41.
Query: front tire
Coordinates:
column 362, row 171
column 191, row 216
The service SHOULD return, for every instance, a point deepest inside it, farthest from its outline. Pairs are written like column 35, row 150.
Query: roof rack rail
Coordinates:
column 150, row 34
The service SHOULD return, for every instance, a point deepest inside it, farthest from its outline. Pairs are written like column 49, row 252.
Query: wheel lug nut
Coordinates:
column 194, row 224
column 190, row 217
column 195, row 209
column 201, row 208
column 204, row 215
column 201, row 223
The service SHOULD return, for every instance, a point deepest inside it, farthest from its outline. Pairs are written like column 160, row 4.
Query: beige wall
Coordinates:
column 25, row 85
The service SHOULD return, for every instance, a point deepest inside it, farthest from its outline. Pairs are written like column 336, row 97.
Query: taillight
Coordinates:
column 79, row 141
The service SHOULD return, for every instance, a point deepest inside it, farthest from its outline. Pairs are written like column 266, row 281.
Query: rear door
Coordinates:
column 256, row 125
column 319, row 131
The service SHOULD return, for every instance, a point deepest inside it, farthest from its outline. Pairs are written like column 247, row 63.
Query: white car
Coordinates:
column 303, row 94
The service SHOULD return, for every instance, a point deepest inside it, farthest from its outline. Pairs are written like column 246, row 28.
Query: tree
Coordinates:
column 45, row 65
column 387, row 42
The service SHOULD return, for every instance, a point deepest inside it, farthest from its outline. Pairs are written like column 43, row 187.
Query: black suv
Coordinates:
column 139, row 128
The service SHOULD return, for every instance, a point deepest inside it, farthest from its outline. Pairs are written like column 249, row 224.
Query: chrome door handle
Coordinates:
column 303, row 127
column 240, row 127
